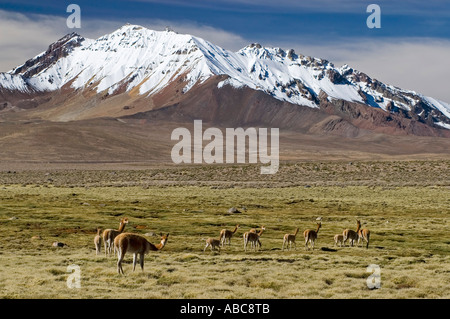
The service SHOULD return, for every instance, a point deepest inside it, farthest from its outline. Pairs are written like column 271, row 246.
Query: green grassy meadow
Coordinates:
column 409, row 241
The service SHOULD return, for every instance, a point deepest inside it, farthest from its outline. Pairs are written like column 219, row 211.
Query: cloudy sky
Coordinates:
column 410, row 50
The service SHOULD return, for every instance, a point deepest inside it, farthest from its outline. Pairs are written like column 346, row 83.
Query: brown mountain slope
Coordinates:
column 105, row 131
column 235, row 107
column 96, row 142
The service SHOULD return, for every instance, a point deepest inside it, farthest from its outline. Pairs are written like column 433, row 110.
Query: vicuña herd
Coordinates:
column 122, row 243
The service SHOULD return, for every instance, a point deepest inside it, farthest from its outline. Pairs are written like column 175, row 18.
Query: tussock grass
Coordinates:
column 409, row 241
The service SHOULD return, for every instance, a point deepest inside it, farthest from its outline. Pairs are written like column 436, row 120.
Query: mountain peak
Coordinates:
column 139, row 37
column 143, row 61
column 60, row 48
column 130, row 27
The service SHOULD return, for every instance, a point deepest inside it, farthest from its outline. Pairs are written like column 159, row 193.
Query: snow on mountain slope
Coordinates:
column 441, row 106
column 13, row 82
column 146, row 61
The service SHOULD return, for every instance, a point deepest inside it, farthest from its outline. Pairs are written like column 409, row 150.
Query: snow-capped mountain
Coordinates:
column 142, row 62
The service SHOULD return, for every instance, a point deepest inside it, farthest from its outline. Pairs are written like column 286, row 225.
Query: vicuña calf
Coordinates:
column 311, row 236
column 110, row 234
column 213, row 243
column 136, row 245
column 98, row 241
column 288, row 239
column 226, row 234
column 338, row 240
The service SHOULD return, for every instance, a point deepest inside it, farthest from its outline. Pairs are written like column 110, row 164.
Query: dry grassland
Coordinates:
column 406, row 205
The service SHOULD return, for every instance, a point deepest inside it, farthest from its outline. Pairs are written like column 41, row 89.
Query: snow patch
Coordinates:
column 444, row 125
column 232, row 82
column 443, row 107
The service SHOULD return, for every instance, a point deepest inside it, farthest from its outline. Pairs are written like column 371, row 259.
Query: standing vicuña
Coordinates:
column 213, row 243
column 135, row 244
column 351, row 235
column 365, row 235
column 98, row 241
column 311, row 236
column 338, row 240
column 110, row 234
column 253, row 238
column 226, row 234
column 288, row 239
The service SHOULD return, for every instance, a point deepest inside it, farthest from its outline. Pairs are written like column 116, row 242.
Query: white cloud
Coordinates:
column 25, row 36
column 431, row 8
column 22, row 38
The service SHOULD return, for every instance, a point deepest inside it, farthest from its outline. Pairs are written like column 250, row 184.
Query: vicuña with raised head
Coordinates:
column 226, row 234
column 350, row 234
column 110, row 234
column 253, row 238
column 289, row 239
column 364, row 235
column 311, row 236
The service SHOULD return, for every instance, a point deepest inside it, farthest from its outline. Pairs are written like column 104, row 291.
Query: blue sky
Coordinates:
column 411, row 31
column 314, row 20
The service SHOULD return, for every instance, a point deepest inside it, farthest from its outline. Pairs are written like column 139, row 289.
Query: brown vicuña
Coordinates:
column 253, row 238
column 137, row 245
column 350, row 234
column 364, row 235
column 226, row 234
column 213, row 243
column 98, row 241
column 110, row 234
column 288, row 239
column 311, row 236
column 338, row 240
